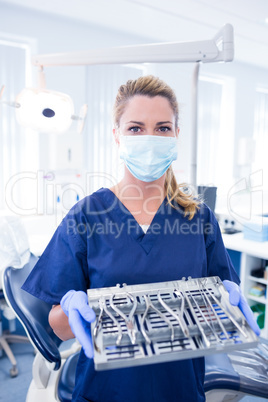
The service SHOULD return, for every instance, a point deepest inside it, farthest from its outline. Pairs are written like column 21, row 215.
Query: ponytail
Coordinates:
column 174, row 192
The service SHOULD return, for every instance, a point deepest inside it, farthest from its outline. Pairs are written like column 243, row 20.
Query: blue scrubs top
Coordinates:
column 99, row 243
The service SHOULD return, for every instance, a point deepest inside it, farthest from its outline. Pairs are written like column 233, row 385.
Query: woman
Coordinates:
column 143, row 230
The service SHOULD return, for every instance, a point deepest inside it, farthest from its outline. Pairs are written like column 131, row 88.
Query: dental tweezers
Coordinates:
column 104, row 309
column 178, row 316
column 211, row 309
column 128, row 319
column 149, row 305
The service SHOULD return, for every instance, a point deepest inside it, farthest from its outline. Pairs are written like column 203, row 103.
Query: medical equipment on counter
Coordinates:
column 159, row 322
column 256, row 229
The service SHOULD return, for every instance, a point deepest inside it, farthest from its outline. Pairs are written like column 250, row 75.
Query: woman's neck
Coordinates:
column 142, row 199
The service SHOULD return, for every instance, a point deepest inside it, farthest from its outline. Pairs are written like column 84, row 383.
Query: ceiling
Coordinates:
column 172, row 20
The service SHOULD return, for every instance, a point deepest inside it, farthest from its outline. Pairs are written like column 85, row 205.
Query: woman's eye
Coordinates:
column 164, row 129
column 134, row 129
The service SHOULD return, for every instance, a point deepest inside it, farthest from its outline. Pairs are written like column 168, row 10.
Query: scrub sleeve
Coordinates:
column 92, row 248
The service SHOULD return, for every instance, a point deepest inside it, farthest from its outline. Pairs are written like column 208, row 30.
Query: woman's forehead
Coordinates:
column 140, row 105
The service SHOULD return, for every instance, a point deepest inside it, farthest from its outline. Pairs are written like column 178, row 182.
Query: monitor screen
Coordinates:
column 208, row 195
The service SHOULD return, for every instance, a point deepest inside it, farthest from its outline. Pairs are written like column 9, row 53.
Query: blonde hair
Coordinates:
column 152, row 86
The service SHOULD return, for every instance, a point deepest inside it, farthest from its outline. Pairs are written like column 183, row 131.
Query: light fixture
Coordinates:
column 44, row 110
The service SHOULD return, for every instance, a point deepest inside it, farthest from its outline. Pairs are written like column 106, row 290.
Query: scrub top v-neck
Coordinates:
column 99, row 244
column 132, row 226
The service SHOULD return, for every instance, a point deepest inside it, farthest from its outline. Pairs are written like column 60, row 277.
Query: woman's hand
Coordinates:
column 236, row 298
column 75, row 306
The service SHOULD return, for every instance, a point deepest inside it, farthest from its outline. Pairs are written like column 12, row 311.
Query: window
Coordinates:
column 216, row 113
column 18, row 146
column 261, row 132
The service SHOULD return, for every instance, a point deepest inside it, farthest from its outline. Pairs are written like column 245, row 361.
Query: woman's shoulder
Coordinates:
column 206, row 215
column 202, row 212
column 91, row 203
column 204, row 209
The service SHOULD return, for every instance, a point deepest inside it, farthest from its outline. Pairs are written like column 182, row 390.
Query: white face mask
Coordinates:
column 148, row 157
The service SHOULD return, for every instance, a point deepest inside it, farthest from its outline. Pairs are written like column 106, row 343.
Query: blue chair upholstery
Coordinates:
column 67, row 378
column 220, row 373
column 244, row 371
column 32, row 312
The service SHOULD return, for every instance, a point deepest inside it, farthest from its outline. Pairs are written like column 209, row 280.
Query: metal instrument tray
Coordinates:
column 165, row 321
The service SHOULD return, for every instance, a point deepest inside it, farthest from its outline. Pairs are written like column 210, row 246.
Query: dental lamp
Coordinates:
column 44, row 110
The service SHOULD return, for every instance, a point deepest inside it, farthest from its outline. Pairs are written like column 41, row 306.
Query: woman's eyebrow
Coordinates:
column 163, row 122
column 135, row 122
column 142, row 124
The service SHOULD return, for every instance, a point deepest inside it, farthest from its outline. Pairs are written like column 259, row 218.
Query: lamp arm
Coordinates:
column 217, row 49
column 194, row 132
column 225, row 41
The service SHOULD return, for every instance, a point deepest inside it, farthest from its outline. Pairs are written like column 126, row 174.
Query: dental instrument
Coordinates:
column 172, row 321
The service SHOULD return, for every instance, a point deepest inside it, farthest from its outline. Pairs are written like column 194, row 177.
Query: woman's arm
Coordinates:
column 59, row 322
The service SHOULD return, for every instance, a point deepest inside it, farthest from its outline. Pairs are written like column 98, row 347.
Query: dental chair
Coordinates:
column 232, row 376
column 7, row 338
column 14, row 250
column 53, row 370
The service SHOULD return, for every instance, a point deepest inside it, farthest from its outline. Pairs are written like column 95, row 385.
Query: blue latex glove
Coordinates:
column 236, row 298
column 75, row 306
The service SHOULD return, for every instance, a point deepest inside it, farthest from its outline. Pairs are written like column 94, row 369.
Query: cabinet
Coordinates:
column 252, row 254
column 248, row 263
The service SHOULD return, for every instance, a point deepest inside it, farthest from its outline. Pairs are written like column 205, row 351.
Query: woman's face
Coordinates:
column 147, row 116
